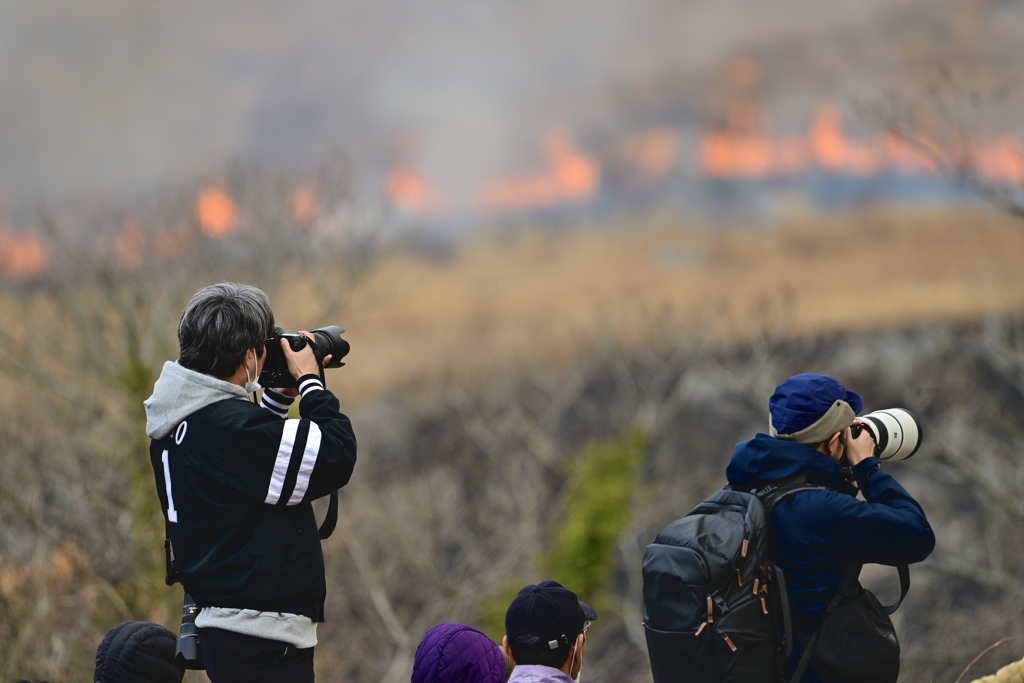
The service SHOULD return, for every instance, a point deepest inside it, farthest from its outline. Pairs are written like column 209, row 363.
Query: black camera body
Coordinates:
column 326, row 341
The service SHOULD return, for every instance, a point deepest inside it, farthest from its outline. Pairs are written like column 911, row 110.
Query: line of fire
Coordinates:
column 567, row 175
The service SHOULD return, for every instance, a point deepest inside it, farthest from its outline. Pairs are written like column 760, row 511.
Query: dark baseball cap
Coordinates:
column 546, row 616
column 804, row 399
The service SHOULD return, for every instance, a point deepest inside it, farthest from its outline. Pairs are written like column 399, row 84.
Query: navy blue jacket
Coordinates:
column 816, row 532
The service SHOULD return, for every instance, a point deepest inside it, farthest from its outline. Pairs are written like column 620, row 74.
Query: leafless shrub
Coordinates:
column 443, row 525
column 461, row 477
column 82, row 539
column 947, row 121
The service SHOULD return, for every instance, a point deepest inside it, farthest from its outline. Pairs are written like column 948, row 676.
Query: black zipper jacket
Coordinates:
column 236, row 482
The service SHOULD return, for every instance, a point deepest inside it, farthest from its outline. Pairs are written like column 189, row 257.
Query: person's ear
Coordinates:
column 576, row 655
column 833, row 446
column 507, row 649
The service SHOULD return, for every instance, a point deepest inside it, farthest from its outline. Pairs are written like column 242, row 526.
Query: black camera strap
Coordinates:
column 170, row 569
column 331, row 519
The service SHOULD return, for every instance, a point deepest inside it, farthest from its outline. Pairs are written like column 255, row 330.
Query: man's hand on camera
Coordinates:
column 860, row 448
column 301, row 362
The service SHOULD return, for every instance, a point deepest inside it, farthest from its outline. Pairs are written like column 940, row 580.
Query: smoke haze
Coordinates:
column 116, row 97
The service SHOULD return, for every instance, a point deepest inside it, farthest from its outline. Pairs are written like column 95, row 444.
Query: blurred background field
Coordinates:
column 574, row 246
column 530, row 294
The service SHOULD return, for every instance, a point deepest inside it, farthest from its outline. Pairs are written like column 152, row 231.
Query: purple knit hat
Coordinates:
column 457, row 653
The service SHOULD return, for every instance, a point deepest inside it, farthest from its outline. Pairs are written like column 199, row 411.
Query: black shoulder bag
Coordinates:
column 856, row 641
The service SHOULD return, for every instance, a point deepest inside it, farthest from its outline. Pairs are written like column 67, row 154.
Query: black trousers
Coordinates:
column 236, row 658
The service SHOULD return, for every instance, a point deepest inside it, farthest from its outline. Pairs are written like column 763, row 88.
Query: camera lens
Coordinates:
column 328, row 342
column 896, row 431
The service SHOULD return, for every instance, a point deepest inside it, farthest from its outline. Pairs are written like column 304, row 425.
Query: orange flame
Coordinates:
column 303, row 204
column 411, row 193
column 23, row 257
column 129, row 245
column 832, row 151
column 216, row 212
column 133, row 244
column 570, row 177
column 741, row 151
column 1003, row 160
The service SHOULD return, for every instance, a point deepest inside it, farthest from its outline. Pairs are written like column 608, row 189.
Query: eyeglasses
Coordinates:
column 586, row 625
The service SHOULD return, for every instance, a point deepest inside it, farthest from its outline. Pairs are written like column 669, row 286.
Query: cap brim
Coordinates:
column 588, row 612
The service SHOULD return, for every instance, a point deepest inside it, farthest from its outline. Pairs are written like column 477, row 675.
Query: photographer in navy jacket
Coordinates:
column 818, row 532
column 236, row 481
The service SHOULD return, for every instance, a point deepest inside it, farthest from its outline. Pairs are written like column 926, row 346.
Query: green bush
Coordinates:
column 601, row 485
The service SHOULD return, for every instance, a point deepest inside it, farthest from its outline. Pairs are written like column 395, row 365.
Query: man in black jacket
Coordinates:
column 236, row 481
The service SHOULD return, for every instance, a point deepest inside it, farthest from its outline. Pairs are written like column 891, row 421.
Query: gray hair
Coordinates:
column 219, row 324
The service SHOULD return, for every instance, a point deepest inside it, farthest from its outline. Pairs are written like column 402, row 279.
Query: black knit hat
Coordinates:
column 137, row 652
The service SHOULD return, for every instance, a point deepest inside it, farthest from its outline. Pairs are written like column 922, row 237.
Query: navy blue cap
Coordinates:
column 546, row 617
column 802, row 399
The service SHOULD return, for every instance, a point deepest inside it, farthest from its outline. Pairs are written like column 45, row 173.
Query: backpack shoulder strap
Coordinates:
column 770, row 493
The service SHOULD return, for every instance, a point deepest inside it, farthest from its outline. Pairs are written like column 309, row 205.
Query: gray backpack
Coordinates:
column 715, row 607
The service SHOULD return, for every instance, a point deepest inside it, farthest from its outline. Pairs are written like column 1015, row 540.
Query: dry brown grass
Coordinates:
column 541, row 295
